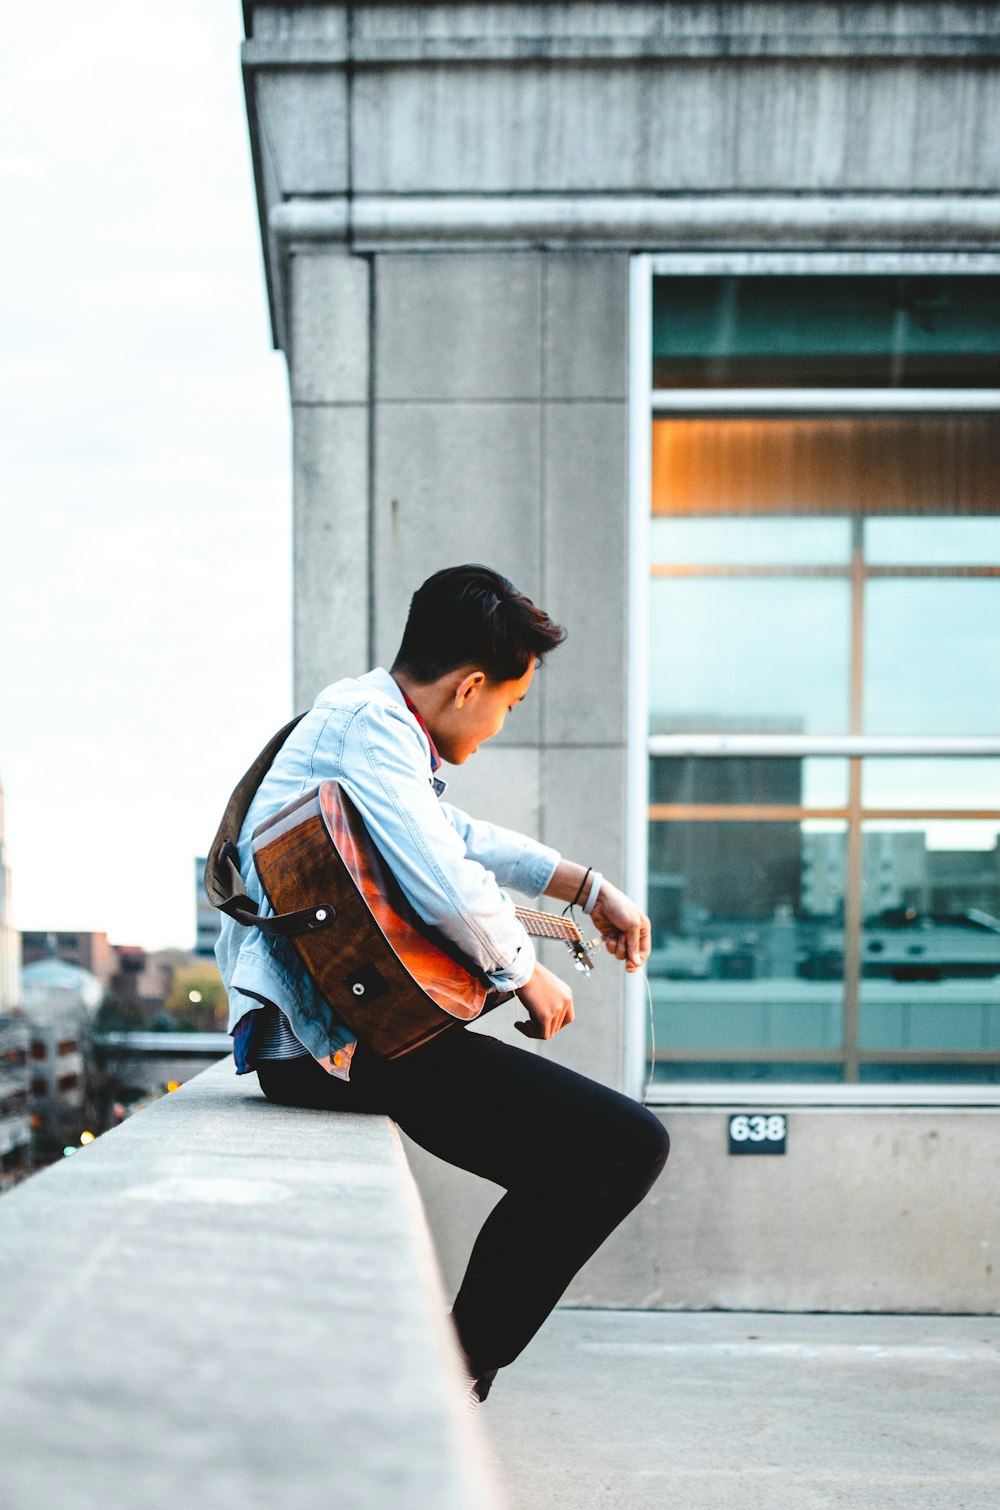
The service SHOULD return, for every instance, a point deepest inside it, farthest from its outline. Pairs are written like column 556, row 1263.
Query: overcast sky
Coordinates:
column 144, row 469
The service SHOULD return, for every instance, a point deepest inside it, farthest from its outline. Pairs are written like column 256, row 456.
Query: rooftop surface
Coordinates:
column 703, row 1411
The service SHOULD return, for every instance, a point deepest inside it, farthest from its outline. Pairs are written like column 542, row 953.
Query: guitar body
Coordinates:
column 394, row 981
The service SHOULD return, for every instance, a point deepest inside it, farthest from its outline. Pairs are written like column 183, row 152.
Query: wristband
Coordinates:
column 595, row 887
column 581, row 886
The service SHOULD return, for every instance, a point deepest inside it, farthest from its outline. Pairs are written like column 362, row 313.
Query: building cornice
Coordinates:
column 640, row 223
column 386, row 35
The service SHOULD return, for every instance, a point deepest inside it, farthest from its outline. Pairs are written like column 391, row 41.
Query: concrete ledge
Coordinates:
column 233, row 1304
column 372, row 222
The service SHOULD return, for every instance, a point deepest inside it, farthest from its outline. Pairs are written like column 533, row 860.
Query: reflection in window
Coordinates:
column 932, row 542
column 751, row 655
column 930, row 946
column 802, row 330
column 788, row 781
column 918, row 464
column 741, row 959
column 751, row 542
column 951, row 782
column 825, row 574
column 932, row 656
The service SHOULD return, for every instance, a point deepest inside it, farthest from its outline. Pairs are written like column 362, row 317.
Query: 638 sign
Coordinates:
column 758, row 1132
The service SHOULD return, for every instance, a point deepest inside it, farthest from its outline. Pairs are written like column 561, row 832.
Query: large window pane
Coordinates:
column 739, row 961
column 738, row 541
column 801, row 331
column 932, row 542
column 792, row 782
column 972, row 783
column 935, row 870
column 930, row 947
column 750, row 655
column 878, row 464
column 932, row 656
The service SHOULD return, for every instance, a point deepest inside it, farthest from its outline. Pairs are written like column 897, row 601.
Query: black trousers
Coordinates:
column 573, row 1157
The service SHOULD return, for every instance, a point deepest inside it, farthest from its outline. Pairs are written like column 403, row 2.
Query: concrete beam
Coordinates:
column 319, row 35
column 375, row 223
column 233, row 1301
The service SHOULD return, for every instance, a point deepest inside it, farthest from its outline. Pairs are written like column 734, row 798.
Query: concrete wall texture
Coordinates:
column 151, row 1336
column 449, row 195
column 881, row 1209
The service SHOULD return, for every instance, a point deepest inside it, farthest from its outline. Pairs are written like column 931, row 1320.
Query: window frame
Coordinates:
column 646, row 404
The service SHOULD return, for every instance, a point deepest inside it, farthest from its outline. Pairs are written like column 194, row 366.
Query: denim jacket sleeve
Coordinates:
column 517, row 861
column 383, row 763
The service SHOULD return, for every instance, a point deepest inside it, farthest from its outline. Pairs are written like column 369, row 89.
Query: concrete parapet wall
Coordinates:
column 881, row 1209
column 229, row 1303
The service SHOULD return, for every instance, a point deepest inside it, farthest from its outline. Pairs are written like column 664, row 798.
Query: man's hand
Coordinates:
column 549, row 1002
column 623, row 927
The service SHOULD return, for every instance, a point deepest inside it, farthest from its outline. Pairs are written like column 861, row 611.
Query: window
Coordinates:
column 825, row 567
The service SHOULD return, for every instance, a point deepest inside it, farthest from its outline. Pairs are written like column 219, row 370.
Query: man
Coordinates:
column 573, row 1156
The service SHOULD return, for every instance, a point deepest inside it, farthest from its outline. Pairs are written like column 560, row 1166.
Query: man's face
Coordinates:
column 475, row 713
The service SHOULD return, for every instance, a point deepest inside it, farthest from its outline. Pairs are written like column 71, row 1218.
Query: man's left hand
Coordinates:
column 624, row 928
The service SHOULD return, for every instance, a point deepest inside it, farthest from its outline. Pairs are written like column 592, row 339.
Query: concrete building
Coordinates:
column 687, row 318
column 10, row 943
column 87, row 951
column 60, row 1001
column 15, row 1126
column 129, row 974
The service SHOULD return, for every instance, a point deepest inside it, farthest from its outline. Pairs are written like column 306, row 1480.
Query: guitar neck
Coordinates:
column 547, row 925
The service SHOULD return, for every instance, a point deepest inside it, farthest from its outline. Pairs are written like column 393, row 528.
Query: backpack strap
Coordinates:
column 223, row 881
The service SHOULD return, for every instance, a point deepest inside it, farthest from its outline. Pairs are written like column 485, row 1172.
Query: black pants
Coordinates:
column 573, row 1157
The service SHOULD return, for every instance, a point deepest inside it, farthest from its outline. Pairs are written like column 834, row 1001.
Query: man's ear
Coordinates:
column 468, row 687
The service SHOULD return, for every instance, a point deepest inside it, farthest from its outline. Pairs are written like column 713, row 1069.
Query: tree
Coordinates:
column 198, row 999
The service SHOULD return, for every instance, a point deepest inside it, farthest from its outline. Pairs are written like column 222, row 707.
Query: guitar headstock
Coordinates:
column 582, row 951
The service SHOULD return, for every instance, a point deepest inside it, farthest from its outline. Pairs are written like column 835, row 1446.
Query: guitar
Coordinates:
column 394, row 980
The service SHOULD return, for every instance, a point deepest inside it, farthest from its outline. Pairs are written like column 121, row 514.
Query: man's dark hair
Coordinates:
column 470, row 615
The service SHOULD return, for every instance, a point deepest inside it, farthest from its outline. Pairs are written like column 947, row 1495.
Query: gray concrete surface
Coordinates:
column 235, row 1305
column 632, row 1410
column 870, row 1209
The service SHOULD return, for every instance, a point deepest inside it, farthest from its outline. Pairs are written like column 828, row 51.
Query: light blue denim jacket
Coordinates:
column 451, row 867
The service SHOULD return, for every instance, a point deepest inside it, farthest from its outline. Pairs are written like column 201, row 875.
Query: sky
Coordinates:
column 144, row 461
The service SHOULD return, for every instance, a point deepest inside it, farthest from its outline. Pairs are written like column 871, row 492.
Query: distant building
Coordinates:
column 10, row 949
column 15, row 1125
column 127, row 972
column 88, row 951
column 899, row 871
column 60, row 1001
column 208, row 919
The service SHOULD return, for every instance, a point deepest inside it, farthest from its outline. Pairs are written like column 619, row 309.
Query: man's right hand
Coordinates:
column 549, row 1002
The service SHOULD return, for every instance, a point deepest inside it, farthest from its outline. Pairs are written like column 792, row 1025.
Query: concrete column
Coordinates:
column 329, row 376
column 500, row 429
column 585, row 490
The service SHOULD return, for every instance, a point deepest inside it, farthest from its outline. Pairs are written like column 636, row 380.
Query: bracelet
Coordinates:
column 595, row 887
column 581, row 886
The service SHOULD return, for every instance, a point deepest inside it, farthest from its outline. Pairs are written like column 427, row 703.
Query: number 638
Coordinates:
column 757, row 1129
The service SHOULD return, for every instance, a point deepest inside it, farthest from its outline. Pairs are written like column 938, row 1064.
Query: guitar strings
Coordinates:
column 652, row 1039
